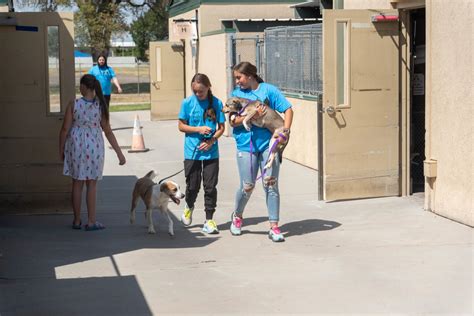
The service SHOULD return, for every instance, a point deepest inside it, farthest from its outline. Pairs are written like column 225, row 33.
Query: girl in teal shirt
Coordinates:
column 253, row 148
column 202, row 121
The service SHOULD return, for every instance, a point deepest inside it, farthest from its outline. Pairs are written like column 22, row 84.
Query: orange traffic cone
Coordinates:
column 138, row 145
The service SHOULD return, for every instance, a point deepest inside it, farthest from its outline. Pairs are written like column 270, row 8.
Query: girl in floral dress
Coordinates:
column 81, row 147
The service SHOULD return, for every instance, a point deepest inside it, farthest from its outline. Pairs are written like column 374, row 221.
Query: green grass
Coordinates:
column 129, row 107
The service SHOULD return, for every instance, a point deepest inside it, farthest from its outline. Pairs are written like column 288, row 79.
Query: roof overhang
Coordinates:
column 272, row 20
column 408, row 4
column 307, row 4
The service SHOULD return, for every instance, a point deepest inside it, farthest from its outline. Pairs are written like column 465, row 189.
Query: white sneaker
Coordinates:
column 236, row 225
column 187, row 217
column 210, row 227
column 275, row 234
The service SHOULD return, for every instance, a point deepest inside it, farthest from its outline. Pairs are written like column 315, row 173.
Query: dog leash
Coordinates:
column 272, row 149
column 159, row 182
column 194, row 152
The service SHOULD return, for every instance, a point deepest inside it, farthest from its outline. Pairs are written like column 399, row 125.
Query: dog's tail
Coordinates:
column 152, row 174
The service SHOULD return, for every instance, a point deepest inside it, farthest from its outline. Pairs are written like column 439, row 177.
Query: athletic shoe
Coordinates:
column 275, row 234
column 187, row 217
column 236, row 226
column 210, row 227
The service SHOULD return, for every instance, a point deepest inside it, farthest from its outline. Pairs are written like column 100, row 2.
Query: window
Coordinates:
column 54, row 78
column 342, row 64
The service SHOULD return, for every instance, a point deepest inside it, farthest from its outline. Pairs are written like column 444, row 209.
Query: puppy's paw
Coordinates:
column 132, row 219
column 171, row 234
column 246, row 126
column 151, row 230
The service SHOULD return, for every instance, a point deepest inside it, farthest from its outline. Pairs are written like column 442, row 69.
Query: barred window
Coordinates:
column 293, row 58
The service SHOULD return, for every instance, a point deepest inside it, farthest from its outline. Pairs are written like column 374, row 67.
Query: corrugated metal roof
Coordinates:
column 271, row 20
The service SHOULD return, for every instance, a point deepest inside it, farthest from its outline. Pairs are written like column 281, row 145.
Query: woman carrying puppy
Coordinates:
column 253, row 147
column 202, row 121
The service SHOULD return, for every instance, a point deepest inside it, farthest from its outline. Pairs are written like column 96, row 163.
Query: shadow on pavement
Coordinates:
column 297, row 228
column 44, row 261
column 307, row 226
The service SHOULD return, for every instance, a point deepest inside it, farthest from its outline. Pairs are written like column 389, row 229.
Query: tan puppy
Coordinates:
column 270, row 120
column 155, row 196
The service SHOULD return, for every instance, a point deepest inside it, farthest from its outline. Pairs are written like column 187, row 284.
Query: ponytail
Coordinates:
column 91, row 83
column 210, row 112
column 103, row 104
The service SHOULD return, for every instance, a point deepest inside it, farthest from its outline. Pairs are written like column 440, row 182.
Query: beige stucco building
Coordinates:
column 431, row 96
column 449, row 142
column 395, row 116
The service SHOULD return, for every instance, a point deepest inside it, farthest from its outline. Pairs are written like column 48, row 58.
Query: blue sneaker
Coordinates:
column 275, row 234
column 210, row 227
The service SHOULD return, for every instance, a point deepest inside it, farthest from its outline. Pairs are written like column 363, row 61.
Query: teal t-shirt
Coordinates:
column 104, row 75
column 266, row 93
column 192, row 111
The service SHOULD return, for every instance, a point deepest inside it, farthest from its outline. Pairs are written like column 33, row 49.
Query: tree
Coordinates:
column 44, row 5
column 151, row 26
column 95, row 23
column 96, row 20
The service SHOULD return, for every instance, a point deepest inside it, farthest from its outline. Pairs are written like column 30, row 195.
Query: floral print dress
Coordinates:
column 84, row 148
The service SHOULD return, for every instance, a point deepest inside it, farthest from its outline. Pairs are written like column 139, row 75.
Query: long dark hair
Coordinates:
column 204, row 80
column 91, row 83
column 105, row 58
column 248, row 69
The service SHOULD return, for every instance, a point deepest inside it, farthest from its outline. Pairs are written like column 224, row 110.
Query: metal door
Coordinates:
column 167, row 79
column 36, row 84
column 360, row 120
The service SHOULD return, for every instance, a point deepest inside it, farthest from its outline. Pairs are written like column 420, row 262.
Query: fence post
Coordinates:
column 257, row 57
column 138, row 74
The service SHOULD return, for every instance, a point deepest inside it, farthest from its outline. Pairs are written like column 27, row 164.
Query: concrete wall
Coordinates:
column 189, row 51
column 450, row 114
column 303, row 145
column 212, row 62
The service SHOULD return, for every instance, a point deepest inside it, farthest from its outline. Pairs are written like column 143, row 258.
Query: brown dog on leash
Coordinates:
column 270, row 120
column 155, row 196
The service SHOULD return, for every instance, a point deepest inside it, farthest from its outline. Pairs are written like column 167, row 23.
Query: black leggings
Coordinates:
column 208, row 172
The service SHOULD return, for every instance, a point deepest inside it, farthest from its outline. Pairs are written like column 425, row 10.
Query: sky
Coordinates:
column 129, row 17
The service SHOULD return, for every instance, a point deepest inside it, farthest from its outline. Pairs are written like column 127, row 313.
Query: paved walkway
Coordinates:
column 376, row 256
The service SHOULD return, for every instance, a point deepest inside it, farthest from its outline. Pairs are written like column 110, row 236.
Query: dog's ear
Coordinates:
column 163, row 187
column 243, row 102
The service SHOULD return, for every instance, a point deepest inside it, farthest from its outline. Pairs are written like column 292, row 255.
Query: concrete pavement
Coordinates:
column 375, row 256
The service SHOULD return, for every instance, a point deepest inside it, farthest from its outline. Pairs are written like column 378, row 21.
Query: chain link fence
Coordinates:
column 293, row 58
column 133, row 76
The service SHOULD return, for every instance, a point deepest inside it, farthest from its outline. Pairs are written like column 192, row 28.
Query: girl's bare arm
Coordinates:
column 185, row 128
column 67, row 123
column 104, row 123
